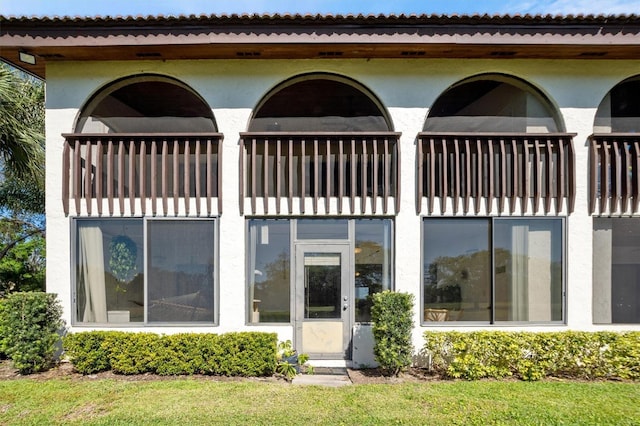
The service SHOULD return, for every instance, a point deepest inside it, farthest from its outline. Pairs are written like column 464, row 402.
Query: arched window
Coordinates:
column 619, row 111
column 494, row 137
column 319, row 136
column 492, row 103
column 614, row 151
column 146, row 104
column 143, row 140
column 319, row 103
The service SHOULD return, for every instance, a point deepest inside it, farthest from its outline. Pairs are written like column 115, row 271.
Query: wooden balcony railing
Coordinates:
column 361, row 169
column 470, row 167
column 140, row 170
column 614, row 173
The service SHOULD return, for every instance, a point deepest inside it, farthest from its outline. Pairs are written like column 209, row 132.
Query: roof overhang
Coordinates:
column 315, row 36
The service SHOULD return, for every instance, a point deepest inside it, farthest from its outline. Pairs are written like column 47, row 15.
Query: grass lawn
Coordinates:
column 192, row 401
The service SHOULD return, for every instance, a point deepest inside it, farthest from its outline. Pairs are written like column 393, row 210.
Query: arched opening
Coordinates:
column 619, row 111
column 146, row 104
column 494, row 137
column 492, row 103
column 319, row 137
column 614, row 150
column 319, row 103
column 143, row 140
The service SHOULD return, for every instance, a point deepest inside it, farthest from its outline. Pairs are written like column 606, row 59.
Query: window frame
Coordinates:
column 598, row 289
column 293, row 233
column 492, row 321
column 75, row 221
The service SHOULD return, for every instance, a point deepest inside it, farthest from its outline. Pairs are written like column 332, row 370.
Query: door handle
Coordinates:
column 345, row 306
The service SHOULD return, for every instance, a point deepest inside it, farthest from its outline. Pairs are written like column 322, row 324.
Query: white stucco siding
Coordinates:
column 407, row 88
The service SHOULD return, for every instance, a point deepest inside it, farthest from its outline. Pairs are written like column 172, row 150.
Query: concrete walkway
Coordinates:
column 324, row 376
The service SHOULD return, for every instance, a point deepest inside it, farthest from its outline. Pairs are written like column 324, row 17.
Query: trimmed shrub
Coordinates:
column 90, row 352
column 134, row 353
column 178, row 354
column 30, row 323
column 231, row 354
column 391, row 314
column 533, row 356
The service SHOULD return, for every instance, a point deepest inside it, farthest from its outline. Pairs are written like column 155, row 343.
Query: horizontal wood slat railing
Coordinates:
column 320, row 167
column 134, row 168
column 470, row 167
column 614, row 173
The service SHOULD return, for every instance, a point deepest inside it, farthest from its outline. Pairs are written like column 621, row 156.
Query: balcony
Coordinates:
column 140, row 174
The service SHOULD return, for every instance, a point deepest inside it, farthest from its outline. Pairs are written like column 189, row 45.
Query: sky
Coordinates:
column 197, row 7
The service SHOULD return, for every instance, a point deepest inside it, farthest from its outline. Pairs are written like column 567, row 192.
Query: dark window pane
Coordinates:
column 109, row 271
column 323, row 229
column 269, row 269
column 181, row 270
column 528, row 268
column 373, row 263
column 619, row 111
column 457, row 266
column 322, row 285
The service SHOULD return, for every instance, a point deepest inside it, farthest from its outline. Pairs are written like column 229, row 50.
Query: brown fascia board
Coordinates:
column 309, row 36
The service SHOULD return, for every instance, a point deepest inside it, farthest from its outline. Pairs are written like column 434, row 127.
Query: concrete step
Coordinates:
column 331, row 380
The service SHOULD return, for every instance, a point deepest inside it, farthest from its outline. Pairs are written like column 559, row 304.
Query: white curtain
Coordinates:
column 386, row 261
column 92, row 274
column 253, row 236
column 519, row 273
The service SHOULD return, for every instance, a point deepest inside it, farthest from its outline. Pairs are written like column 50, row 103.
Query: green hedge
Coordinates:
column 230, row 354
column 391, row 314
column 533, row 356
column 29, row 327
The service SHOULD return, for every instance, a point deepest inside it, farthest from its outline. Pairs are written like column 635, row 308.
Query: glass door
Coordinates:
column 323, row 308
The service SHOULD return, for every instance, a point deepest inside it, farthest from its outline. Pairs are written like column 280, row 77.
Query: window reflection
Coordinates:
column 457, row 284
column 372, row 263
column 109, row 271
column 114, row 259
column 322, row 285
column 269, row 269
column 526, row 280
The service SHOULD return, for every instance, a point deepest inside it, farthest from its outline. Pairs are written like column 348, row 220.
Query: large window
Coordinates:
column 269, row 271
column 145, row 271
column 270, row 262
column 492, row 270
column 616, row 270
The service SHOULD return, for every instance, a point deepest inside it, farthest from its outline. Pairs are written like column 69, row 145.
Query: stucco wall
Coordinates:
column 406, row 88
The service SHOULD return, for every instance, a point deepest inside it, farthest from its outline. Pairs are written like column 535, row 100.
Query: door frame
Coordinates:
column 346, row 295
